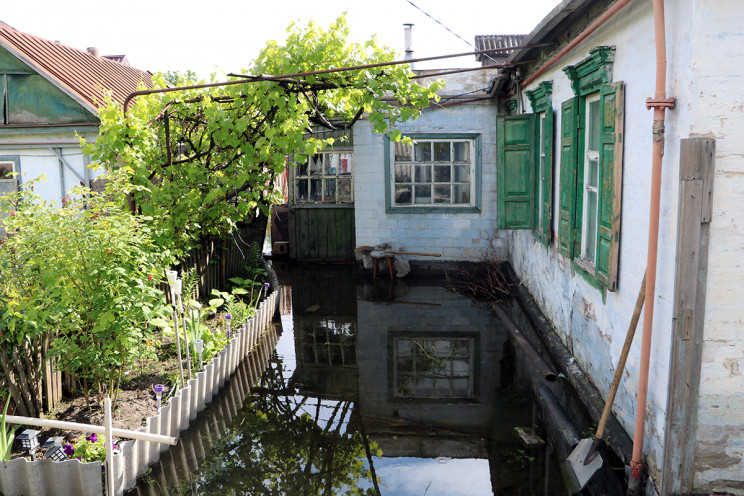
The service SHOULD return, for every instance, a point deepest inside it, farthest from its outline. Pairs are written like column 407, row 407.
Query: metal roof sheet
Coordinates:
column 496, row 41
column 80, row 74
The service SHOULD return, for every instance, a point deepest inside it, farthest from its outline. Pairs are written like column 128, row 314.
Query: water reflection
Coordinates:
column 381, row 389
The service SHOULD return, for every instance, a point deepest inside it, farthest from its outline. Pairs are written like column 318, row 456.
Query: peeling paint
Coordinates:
column 732, row 365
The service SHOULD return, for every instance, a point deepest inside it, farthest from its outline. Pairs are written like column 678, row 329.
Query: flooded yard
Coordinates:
column 371, row 388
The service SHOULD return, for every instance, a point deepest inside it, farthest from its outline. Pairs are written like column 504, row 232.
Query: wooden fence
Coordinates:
column 217, row 260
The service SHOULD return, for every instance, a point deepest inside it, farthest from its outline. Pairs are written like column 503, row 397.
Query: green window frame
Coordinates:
column 326, row 177
column 435, row 173
column 525, row 170
column 591, row 169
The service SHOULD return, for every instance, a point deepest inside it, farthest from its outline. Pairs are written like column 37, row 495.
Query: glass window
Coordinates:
column 591, row 180
column 436, row 172
column 325, row 178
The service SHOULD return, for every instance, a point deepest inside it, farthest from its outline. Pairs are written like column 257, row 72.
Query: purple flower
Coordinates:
column 266, row 284
column 228, row 316
column 92, row 438
column 68, row 449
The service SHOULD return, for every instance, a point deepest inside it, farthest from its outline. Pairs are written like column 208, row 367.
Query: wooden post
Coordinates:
column 693, row 226
column 110, row 490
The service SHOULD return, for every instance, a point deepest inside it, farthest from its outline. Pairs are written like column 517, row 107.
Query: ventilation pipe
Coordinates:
column 659, row 103
column 408, row 31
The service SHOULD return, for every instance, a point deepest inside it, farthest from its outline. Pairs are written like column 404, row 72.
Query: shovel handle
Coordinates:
column 623, row 358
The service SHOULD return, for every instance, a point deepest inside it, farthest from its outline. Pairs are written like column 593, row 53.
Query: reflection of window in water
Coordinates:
column 328, row 342
column 434, row 367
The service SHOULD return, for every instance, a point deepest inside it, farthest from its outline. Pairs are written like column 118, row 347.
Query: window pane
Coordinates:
column 442, row 194
column 423, row 194
column 442, row 173
column 442, row 151
column 331, row 163
column 316, row 164
column 344, row 163
column 315, row 193
column 462, row 174
column 402, row 173
column 462, row 193
column 593, row 173
column 423, row 173
column 403, row 194
column 301, row 191
column 423, row 151
column 462, row 151
column 302, row 169
column 344, row 190
column 402, row 152
column 593, row 130
column 591, row 225
column 329, row 194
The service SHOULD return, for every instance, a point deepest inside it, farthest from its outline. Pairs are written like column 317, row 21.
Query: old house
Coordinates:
column 575, row 181
column 550, row 166
column 51, row 93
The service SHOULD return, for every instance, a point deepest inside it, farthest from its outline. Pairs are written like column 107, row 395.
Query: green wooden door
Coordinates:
column 321, row 232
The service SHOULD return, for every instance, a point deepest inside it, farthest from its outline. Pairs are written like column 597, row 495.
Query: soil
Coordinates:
column 134, row 403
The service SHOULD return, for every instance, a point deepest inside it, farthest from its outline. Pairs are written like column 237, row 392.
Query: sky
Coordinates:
column 226, row 35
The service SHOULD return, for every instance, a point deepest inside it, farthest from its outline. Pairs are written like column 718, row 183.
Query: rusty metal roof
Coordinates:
column 494, row 41
column 79, row 74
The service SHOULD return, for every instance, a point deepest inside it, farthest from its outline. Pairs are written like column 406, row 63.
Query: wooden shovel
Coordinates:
column 583, row 460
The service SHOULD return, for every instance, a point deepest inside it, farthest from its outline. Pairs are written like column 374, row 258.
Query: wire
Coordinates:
column 448, row 29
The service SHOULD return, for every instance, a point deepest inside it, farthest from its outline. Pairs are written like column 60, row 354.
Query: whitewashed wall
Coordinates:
column 456, row 236
column 37, row 159
column 704, row 74
column 594, row 330
column 708, row 80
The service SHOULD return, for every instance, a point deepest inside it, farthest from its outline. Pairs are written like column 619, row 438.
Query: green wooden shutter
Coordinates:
column 567, row 186
column 547, row 180
column 516, row 171
column 610, row 184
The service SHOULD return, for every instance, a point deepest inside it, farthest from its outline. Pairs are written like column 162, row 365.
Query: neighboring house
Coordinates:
column 50, row 96
column 574, row 185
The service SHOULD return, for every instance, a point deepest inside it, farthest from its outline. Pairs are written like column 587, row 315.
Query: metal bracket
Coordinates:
column 661, row 102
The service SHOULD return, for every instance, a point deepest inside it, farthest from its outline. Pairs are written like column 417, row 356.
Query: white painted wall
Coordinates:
column 456, row 236
column 36, row 159
column 705, row 70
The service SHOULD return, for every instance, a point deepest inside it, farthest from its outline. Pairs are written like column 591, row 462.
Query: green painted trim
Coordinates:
column 477, row 179
column 590, row 278
column 541, row 97
column 591, row 73
column 16, row 159
column 24, row 130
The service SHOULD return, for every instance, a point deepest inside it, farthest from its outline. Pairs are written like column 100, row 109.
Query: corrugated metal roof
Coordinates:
column 79, row 74
column 495, row 41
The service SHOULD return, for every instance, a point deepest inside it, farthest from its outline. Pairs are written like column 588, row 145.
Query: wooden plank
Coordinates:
column 332, row 229
column 321, row 235
column 693, row 225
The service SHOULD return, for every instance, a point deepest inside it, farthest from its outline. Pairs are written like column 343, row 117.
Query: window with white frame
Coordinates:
column 325, row 178
column 434, row 172
column 591, row 179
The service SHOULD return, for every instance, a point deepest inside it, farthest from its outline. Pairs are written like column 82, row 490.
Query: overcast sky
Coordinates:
column 161, row 35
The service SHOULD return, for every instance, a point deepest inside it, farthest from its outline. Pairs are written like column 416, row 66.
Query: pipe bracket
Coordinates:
column 661, row 103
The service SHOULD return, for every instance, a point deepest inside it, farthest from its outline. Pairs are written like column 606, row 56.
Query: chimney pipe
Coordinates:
column 408, row 28
column 93, row 51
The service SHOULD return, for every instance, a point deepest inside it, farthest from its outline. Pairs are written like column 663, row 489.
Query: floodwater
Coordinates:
column 370, row 388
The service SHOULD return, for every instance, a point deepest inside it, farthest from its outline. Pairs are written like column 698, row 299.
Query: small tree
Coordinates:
column 208, row 158
column 76, row 282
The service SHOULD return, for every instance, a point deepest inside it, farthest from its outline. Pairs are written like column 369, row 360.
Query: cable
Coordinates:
column 448, row 29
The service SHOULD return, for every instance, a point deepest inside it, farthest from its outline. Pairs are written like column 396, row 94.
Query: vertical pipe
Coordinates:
column 634, row 484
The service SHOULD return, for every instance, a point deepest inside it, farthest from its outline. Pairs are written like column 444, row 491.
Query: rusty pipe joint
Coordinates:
column 663, row 103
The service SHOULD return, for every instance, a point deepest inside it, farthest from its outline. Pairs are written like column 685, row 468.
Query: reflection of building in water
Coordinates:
column 324, row 309
column 428, row 370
